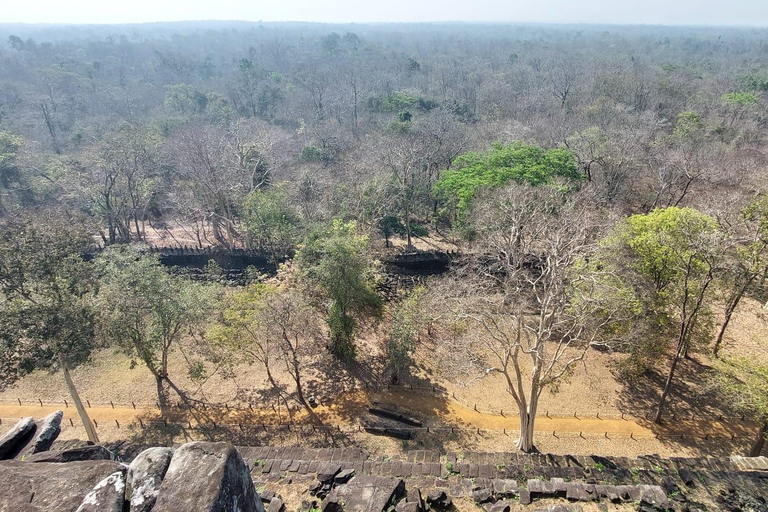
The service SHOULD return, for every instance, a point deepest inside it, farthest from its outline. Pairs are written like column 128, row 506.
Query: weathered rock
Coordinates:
column 525, row 497
column 46, row 434
column 106, row 496
column 267, row 495
column 327, row 471
column 535, row 487
column 364, row 494
column 307, row 506
column 17, row 438
column 439, row 500
column 145, row 474
column 408, row 506
column 343, row 477
column 499, row 506
column 686, row 475
column 505, row 488
column 84, row 486
column 276, row 505
column 386, row 427
column 653, row 495
column 576, row 491
column 94, row 452
column 207, row 477
column 482, row 496
column 557, row 486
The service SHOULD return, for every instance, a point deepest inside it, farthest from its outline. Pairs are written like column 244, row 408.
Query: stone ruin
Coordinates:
column 38, row 473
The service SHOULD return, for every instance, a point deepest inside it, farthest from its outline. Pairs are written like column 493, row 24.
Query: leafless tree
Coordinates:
column 531, row 305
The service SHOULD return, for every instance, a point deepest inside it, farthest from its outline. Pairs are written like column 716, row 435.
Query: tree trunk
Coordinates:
column 176, row 388
column 525, row 442
column 89, row 429
column 161, row 398
column 757, row 447
column 302, row 399
column 408, row 223
column 279, row 392
column 728, row 314
column 668, row 383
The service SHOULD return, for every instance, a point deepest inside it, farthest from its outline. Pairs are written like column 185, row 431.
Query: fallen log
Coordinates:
column 374, row 426
column 395, row 416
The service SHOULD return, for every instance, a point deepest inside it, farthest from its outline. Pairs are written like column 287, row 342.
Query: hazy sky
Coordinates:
column 677, row 12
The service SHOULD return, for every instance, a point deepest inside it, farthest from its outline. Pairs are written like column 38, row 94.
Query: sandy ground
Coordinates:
column 452, row 427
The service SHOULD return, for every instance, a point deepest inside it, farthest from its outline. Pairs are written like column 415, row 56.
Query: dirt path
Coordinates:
column 344, row 413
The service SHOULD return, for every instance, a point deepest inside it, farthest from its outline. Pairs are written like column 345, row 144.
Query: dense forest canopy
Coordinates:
column 653, row 115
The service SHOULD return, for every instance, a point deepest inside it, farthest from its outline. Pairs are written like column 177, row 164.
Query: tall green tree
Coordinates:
column 517, row 162
column 271, row 222
column 408, row 319
column 147, row 311
column 667, row 261
column 336, row 263
column 46, row 317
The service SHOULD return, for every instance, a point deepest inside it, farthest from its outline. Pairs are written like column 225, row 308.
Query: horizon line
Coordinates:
column 434, row 22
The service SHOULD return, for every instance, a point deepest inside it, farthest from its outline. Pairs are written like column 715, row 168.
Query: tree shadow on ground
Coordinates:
column 695, row 416
column 690, row 395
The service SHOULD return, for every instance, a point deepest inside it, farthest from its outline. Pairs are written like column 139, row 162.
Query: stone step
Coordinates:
column 750, row 463
column 489, row 465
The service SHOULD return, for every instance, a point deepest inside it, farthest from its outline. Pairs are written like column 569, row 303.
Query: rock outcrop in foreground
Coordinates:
column 199, row 476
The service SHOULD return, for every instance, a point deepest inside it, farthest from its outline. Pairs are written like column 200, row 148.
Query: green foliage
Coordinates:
column 146, row 310
column 755, row 82
column 271, row 221
column 213, row 271
column 197, row 371
column 335, row 262
column 399, row 127
column 185, row 99
column 45, row 306
column 744, row 381
column 689, row 125
column 757, row 212
column 660, row 263
column 419, row 230
column 517, row 162
column 390, row 225
column 314, row 153
column 665, row 243
column 9, row 148
column 400, row 101
column 10, row 171
column 739, row 99
column 407, row 322
column 242, row 316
